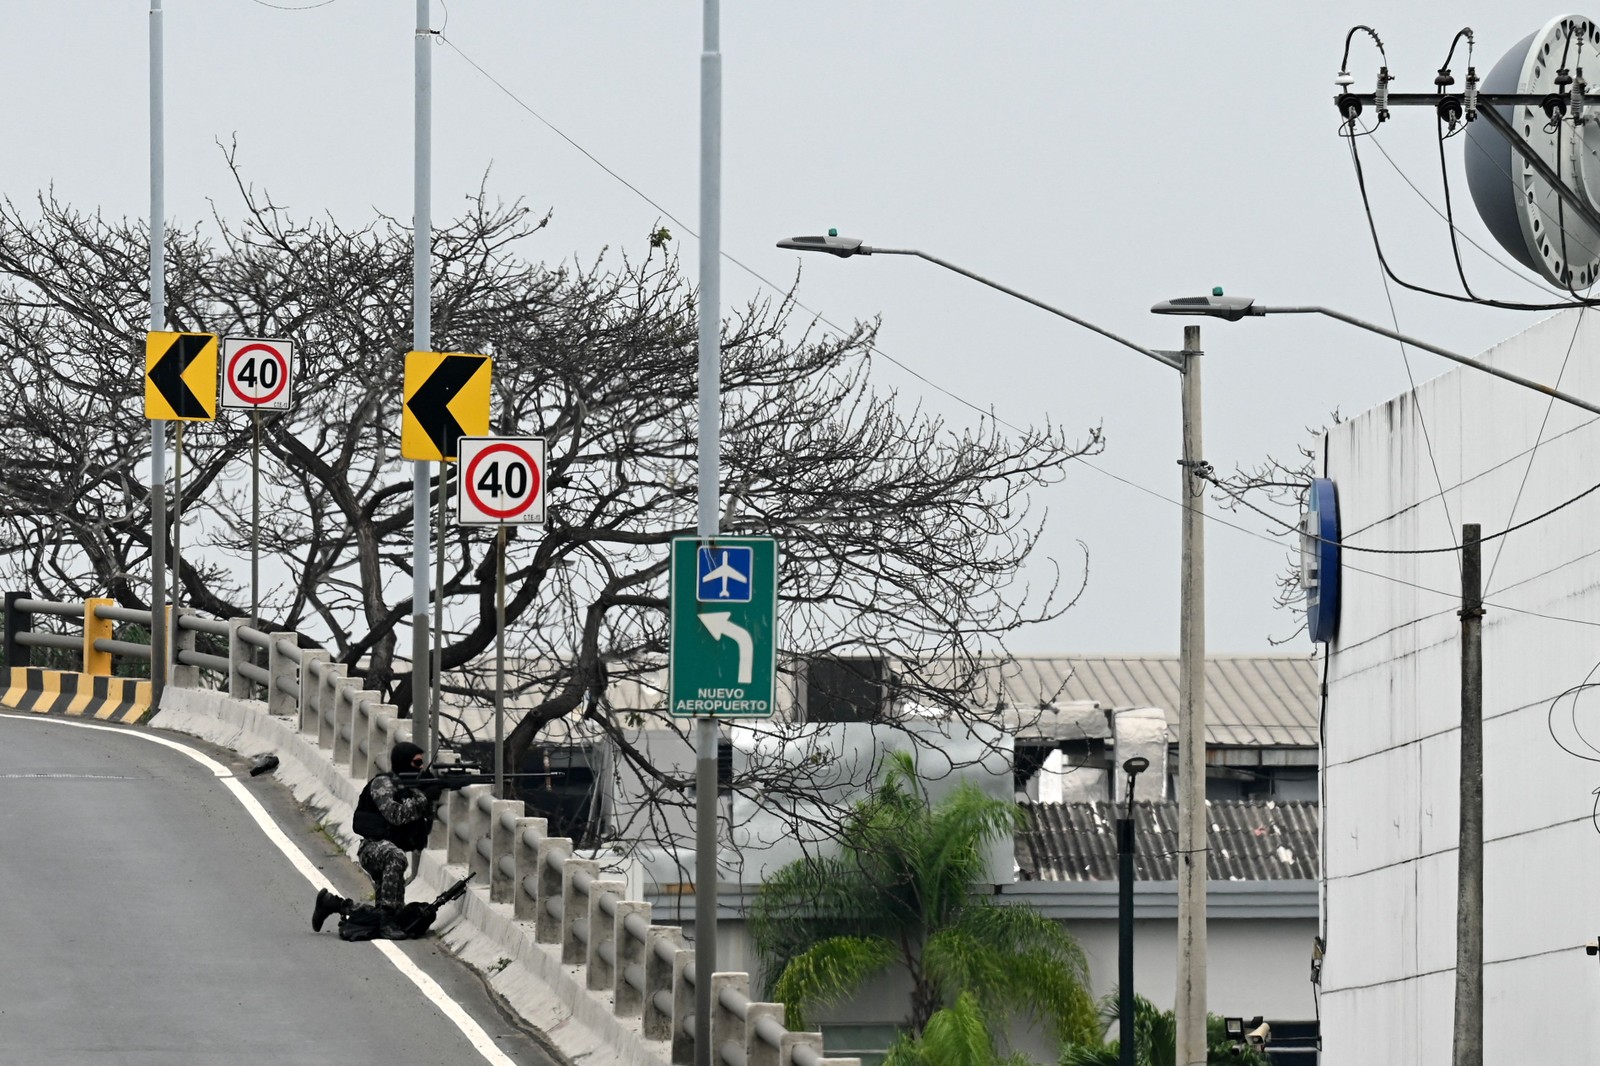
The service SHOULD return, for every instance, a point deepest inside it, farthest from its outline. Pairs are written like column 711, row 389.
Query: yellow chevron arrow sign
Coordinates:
column 446, row 398
column 180, row 376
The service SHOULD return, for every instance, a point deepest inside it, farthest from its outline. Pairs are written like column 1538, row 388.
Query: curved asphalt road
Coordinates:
column 147, row 920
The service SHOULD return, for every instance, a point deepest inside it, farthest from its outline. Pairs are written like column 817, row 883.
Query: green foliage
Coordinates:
column 1155, row 1036
column 957, row 1035
column 899, row 893
column 828, row 971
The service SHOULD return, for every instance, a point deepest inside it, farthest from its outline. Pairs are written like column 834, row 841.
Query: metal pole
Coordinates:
column 423, row 713
column 438, row 606
column 705, row 879
column 1467, row 1047
column 1191, row 997
column 500, row 665
column 1125, row 846
column 177, row 537
column 255, row 520
column 158, row 317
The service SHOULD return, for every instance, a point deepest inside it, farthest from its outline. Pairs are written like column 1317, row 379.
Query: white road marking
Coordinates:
column 480, row 1040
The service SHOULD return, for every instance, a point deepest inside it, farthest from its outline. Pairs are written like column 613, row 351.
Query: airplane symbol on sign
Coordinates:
column 727, row 570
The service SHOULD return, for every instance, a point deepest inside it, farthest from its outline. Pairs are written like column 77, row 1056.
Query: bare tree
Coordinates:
column 901, row 536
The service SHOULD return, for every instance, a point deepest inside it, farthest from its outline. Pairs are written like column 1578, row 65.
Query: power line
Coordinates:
column 1537, row 440
column 990, row 413
column 1238, row 496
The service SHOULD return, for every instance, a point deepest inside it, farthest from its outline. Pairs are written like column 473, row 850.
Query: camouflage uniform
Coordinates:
column 383, row 860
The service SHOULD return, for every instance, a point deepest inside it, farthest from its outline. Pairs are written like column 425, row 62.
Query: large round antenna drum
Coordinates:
column 1523, row 210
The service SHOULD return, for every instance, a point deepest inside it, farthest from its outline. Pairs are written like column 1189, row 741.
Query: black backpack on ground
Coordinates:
column 413, row 920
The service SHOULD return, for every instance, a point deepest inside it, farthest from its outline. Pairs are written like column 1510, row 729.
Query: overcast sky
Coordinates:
column 1097, row 156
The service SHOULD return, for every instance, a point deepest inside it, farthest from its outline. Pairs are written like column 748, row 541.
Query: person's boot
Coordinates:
column 328, row 904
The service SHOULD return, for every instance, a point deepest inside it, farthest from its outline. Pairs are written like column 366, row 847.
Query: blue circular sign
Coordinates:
column 1319, row 560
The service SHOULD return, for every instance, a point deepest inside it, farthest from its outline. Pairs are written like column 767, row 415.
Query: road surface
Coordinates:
column 150, row 918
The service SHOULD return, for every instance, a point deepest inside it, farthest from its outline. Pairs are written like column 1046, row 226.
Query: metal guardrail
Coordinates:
column 647, row 969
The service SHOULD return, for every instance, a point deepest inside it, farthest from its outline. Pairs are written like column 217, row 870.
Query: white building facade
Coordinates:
column 1467, row 448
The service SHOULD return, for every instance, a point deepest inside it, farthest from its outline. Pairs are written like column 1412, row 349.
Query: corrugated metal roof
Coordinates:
column 1251, row 700
column 1249, row 840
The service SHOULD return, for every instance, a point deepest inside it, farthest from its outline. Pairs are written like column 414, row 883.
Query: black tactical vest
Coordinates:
column 370, row 823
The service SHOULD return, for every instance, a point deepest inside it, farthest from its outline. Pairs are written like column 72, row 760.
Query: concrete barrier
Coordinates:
column 113, row 699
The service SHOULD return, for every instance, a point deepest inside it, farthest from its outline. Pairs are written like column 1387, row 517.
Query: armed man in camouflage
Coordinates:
column 393, row 817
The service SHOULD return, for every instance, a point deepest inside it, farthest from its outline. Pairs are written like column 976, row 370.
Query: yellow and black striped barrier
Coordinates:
column 115, row 699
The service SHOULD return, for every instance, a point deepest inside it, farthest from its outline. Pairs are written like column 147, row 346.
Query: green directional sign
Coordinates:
column 724, row 656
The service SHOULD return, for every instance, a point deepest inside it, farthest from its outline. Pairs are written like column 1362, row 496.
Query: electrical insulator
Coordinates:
column 1380, row 99
column 1469, row 99
column 1343, row 81
column 1579, row 90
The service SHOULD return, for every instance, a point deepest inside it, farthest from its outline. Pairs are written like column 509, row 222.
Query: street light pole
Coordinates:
column 1125, row 852
column 1191, row 1005
column 709, row 492
column 424, row 710
column 1233, row 308
column 158, row 316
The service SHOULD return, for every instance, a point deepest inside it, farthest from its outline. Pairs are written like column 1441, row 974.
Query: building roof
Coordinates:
column 1249, row 840
column 1251, row 700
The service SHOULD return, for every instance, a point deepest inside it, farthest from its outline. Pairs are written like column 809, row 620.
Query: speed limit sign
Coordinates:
column 256, row 373
column 502, row 481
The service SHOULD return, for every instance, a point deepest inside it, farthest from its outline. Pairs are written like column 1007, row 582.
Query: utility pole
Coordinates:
column 158, row 316
column 1191, row 992
column 1467, row 1049
column 424, row 715
column 709, row 490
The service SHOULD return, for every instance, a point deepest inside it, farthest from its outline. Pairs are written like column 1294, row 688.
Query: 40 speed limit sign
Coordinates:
column 256, row 373
column 502, row 481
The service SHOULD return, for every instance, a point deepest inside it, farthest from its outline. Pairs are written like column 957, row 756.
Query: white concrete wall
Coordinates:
column 1392, row 753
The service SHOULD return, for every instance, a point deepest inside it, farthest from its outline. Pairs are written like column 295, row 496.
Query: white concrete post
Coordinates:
column 370, row 742
column 344, row 712
column 525, row 862
column 279, row 665
column 574, row 905
column 362, row 706
column 327, row 703
column 547, row 927
column 503, row 817
column 184, row 676
column 238, row 652
column 455, row 813
column 658, row 977
column 726, row 1026
column 757, row 1052
column 474, row 827
column 627, row 1000
column 682, row 1008
column 312, row 663
column 601, row 932
column 790, row 1041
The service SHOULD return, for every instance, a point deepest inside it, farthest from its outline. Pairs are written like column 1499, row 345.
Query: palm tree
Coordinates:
column 899, row 894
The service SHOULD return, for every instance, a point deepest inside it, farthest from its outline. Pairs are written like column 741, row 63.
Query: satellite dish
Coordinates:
column 1521, row 209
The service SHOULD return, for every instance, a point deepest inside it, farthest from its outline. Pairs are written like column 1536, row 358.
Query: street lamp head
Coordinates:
column 832, row 243
column 1216, row 305
column 1136, row 765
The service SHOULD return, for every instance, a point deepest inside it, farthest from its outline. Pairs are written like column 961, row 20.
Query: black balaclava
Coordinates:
column 401, row 755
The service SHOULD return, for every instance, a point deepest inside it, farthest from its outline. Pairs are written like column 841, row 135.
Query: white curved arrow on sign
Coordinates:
column 723, row 628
